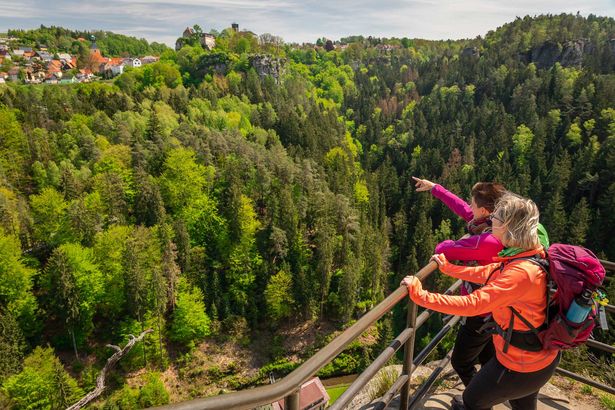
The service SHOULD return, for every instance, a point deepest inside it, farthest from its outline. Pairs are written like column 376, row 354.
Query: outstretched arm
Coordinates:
column 453, row 202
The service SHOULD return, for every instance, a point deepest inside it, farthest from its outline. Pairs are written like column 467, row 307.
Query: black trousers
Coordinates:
column 495, row 384
column 471, row 348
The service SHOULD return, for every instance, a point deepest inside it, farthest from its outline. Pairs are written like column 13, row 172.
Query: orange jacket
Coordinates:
column 521, row 284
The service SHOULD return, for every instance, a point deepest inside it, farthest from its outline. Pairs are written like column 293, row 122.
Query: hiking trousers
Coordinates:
column 471, row 347
column 495, row 384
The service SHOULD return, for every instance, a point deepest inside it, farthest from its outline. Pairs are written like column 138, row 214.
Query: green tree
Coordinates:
column 74, row 289
column 42, row 384
column 244, row 260
column 279, row 296
column 12, row 346
column 153, row 393
column 109, row 249
column 579, row 223
column 51, row 223
column 13, row 148
column 16, row 280
column 183, row 180
column 145, row 284
column 522, row 141
column 190, row 322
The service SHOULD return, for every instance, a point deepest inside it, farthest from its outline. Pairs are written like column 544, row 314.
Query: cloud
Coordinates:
column 294, row 20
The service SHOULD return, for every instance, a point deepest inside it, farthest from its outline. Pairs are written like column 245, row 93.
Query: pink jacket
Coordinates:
column 480, row 248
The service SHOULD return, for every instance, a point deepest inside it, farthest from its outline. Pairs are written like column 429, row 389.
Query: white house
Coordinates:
column 133, row 62
column 117, row 69
column 65, row 56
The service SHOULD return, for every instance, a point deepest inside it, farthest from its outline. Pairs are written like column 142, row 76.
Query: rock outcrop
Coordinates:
column 266, row 65
column 470, row 52
column 570, row 54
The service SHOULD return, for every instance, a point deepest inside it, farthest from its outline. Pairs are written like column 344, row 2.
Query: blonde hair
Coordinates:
column 519, row 218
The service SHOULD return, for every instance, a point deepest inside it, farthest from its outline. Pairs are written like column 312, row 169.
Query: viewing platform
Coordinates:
column 413, row 388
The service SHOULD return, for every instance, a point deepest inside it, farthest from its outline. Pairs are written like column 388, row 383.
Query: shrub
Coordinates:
column 383, row 382
column 153, row 393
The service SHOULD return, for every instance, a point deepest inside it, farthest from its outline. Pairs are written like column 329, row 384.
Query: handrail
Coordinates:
column 288, row 387
column 399, row 341
column 608, row 265
column 250, row 398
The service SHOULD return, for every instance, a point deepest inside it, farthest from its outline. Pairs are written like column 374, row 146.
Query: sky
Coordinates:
column 293, row 20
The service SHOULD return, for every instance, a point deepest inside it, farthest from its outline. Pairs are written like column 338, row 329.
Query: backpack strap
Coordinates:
column 526, row 340
column 524, row 320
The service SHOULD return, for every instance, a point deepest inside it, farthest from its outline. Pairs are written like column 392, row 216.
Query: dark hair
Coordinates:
column 486, row 194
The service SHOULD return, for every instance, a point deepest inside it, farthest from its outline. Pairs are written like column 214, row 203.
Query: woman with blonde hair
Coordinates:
column 513, row 281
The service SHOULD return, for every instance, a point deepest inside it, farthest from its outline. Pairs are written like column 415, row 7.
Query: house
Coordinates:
column 116, row 60
column 387, row 47
column 149, row 59
column 53, row 78
column 117, row 69
column 312, row 396
column 188, row 32
column 85, row 75
column 18, row 53
column 54, row 67
column 65, row 56
column 96, row 58
column 68, row 65
column 14, row 73
column 33, row 76
column 133, row 62
column 68, row 80
column 208, row 41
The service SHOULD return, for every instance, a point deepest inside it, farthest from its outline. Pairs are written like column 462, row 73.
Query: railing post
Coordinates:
column 408, row 354
column 291, row 402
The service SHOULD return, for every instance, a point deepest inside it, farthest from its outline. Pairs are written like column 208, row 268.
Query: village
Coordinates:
column 37, row 65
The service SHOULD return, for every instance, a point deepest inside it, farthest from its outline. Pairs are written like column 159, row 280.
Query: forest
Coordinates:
column 218, row 205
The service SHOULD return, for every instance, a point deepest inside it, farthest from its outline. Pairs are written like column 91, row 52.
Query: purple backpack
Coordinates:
column 570, row 269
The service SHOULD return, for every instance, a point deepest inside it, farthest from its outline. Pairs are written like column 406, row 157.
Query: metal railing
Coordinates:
column 288, row 387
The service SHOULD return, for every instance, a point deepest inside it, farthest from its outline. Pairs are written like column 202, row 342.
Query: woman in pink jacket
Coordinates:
column 478, row 247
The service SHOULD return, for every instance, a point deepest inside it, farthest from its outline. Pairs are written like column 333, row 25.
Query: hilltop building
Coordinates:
column 207, row 41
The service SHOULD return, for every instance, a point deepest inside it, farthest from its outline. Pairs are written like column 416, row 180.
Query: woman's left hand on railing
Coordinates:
column 413, row 284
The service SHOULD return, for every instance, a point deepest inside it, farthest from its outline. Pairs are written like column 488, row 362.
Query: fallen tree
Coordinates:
column 100, row 380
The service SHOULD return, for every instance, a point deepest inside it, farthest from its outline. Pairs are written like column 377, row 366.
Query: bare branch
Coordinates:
column 114, row 347
column 100, row 380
